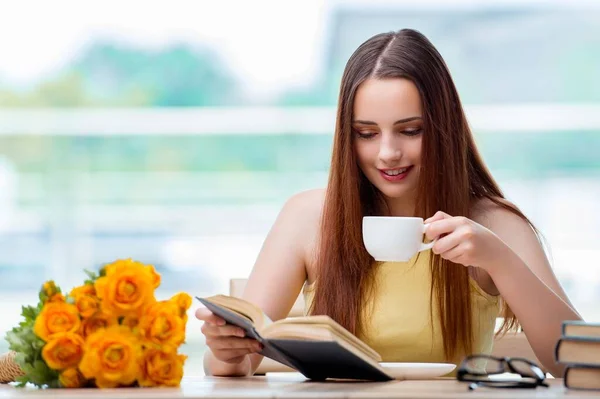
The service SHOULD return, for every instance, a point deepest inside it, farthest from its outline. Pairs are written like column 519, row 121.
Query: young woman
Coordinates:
column 403, row 147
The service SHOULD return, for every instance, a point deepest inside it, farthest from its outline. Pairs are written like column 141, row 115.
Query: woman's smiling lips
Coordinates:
column 395, row 174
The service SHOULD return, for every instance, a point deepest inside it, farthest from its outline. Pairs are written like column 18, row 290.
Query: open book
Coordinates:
column 316, row 346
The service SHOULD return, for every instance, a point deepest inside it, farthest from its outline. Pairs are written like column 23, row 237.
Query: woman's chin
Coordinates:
column 395, row 193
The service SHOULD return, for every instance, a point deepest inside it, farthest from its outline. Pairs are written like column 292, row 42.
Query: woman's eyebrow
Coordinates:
column 399, row 121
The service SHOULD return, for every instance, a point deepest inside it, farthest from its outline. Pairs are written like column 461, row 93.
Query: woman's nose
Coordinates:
column 389, row 149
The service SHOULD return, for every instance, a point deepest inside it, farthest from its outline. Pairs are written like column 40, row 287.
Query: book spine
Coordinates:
column 567, row 373
column 556, row 350
column 563, row 339
column 566, row 377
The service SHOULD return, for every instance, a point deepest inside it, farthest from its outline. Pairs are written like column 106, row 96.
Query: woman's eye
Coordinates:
column 411, row 132
column 365, row 135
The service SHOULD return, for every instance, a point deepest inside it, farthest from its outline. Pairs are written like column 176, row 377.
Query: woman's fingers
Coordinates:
column 209, row 317
column 226, row 330
column 232, row 356
column 229, row 343
column 226, row 341
column 439, row 215
column 445, row 244
column 454, row 254
column 233, row 350
column 437, row 228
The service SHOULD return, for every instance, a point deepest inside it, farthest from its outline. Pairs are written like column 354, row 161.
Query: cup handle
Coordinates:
column 424, row 246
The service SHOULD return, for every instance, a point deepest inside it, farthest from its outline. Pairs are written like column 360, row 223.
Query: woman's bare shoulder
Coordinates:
column 502, row 222
column 307, row 203
column 489, row 213
column 306, row 209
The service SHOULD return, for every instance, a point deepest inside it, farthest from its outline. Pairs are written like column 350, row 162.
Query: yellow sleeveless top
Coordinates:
column 398, row 321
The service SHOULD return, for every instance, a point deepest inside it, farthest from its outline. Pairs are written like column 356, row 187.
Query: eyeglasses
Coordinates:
column 478, row 370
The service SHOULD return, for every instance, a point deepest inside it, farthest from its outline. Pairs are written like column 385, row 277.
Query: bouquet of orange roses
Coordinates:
column 109, row 332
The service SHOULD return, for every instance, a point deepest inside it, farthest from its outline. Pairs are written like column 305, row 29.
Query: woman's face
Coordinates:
column 387, row 128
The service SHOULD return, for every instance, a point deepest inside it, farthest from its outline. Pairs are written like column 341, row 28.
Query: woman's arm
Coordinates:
column 506, row 247
column 279, row 272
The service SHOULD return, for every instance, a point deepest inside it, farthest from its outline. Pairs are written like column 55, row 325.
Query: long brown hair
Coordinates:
column 344, row 268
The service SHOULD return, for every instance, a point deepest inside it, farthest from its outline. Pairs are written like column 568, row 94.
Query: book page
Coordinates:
column 243, row 308
column 315, row 332
column 581, row 329
column 231, row 317
column 324, row 323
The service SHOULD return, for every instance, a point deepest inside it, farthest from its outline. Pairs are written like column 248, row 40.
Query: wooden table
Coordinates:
column 292, row 385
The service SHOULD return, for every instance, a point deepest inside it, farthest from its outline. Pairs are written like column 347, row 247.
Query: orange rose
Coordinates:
column 56, row 317
column 71, row 378
column 85, row 299
column 86, row 289
column 51, row 293
column 49, row 288
column 98, row 320
column 111, row 357
column 183, row 302
column 126, row 288
column 131, row 322
column 56, row 298
column 161, row 324
column 87, row 305
column 154, row 274
column 161, row 367
column 64, row 350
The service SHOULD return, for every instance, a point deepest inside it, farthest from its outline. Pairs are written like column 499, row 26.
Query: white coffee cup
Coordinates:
column 394, row 238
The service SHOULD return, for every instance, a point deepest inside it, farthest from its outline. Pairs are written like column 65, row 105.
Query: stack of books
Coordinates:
column 579, row 350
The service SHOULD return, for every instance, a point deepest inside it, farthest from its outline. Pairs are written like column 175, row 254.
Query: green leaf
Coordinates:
column 13, row 339
column 17, row 341
column 22, row 381
column 29, row 313
column 38, row 344
column 28, row 347
column 55, row 383
column 90, row 274
column 21, row 359
column 28, row 369
column 39, row 374
column 40, row 367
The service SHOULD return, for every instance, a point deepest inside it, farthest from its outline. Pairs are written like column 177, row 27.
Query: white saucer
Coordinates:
column 417, row 371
